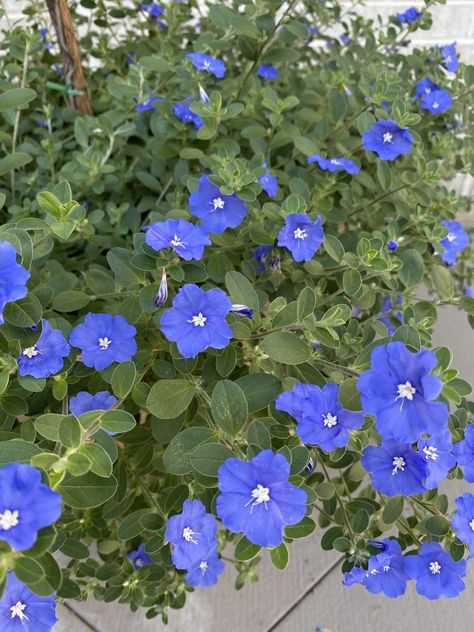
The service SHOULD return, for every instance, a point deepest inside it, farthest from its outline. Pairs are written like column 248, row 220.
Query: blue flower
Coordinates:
column 467, row 290
column 463, row 520
column 26, row 505
column 210, row 64
column 269, row 183
column 426, row 86
column 456, row 241
column 13, row 277
column 395, row 468
column 104, row 339
column 149, row 104
column 437, row 452
column 197, row 320
column 334, row 164
column 46, row 356
column 84, row 402
column 184, row 113
column 265, row 71
column 386, row 572
column 435, row 572
column 392, row 245
column 410, row 15
column 387, row 307
column 152, row 9
column 260, row 255
column 257, row 498
column 301, row 236
column 192, row 533
column 321, row 418
column 464, row 453
column 207, row 571
column 437, row 101
column 451, row 62
column 400, row 393
column 140, row 557
column 215, row 210
column 388, row 140
column 21, row 609
column 184, row 238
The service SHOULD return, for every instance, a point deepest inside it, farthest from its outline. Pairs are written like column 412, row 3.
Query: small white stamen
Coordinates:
column 427, row 90
column 431, row 452
column 198, row 320
column 139, row 562
column 104, row 343
column 31, row 352
column 406, row 391
column 387, row 137
column 386, row 568
column 300, row 233
column 448, row 59
column 17, row 611
column 334, row 161
column 176, row 242
column 435, row 105
column 451, row 237
column 188, row 534
column 471, row 524
column 435, row 568
column 399, row 463
column 206, row 64
column 203, row 566
column 8, row 519
column 260, row 495
column 330, row 420
column 218, row 203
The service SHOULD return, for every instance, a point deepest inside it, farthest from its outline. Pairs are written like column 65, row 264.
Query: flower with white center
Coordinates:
column 431, row 452
column 203, row 566
column 31, row 352
column 387, row 137
column 198, row 320
column 330, row 420
column 399, row 464
column 176, row 242
column 451, row 237
column 188, row 534
column 104, row 343
column 406, row 391
column 300, row 233
column 435, row 568
column 8, row 519
column 17, row 611
column 260, row 495
column 218, row 203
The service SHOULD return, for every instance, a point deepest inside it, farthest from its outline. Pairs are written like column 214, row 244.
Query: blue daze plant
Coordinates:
column 218, row 295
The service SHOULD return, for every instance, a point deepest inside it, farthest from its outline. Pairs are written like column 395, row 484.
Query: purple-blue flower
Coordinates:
column 84, row 402
column 437, row 101
column 256, row 498
column 184, row 238
column 192, row 533
column 46, row 356
column 435, row 572
column 140, row 557
column 21, row 609
column 464, row 453
column 388, row 307
column 437, row 452
column 426, row 86
column 184, row 113
column 265, row 71
column 216, row 210
column 104, row 339
column 301, row 236
column 410, row 15
column 451, row 61
column 388, row 140
column 400, row 392
column 197, row 320
column 206, row 572
column 26, row 505
column 148, row 104
column 392, row 245
column 269, row 183
column 13, row 277
column 322, row 420
column 456, row 241
column 463, row 520
column 261, row 253
column 152, row 9
column 334, row 164
column 395, row 468
column 207, row 63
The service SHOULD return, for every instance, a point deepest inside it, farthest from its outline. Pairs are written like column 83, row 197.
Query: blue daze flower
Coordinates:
column 242, row 310
column 334, row 164
column 46, row 356
column 387, row 307
column 84, row 402
column 301, row 236
column 152, row 9
column 207, row 63
column 410, row 15
column 456, row 241
column 265, row 71
column 388, row 140
column 162, row 294
column 26, row 505
column 269, row 183
column 322, row 420
column 426, row 86
column 192, row 533
column 197, row 320
column 215, row 210
column 463, row 520
column 467, row 290
column 140, row 557
column 261, row 253
column 104, row 339
column 206, row 572
column 184, row 238
column 392, row 245
column 21, row 609
column 386, row 572
column 400, row 393
column 184, row 113
column 13, row 277
column 437, row 101
column 437, row 452
column 395, row 468
column 149, row 104
column 256, row 498
column 451, row 61
column 435, row 572
column 464, row 453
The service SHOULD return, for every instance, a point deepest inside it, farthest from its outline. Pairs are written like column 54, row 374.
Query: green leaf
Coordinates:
column 229, row 407
column 286, row 348
column 412, row 271
column 70, row 432
column 352, row 281
column 241, row 291
column 393, row 509
column 117, row 421
column 207, row 458
column 101, row 463
column 70, row 301
column 177, row 456
column 349, row 396
column 225, row 18
column 300, row 530
column 246, row 550
column 442, row 281
column 437, row 525
column 305, row 145
column 360, row 522
column 74, row 549
column 169, row 398
column 123, row 379
column 337, row 105
column 48, row 426
column 333, row 247
column 384, row 174
column 280, row 556
column 306, row 303
column 260, row 389
column 14, row 161
column 130, row 526
column 17, row 451
column 28, row 570
column 408, row 335
column 16, row 98
column 87, row 491
column 23, row 313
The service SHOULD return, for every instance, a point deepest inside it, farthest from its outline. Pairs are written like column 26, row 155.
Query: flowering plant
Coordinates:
column 212, row 336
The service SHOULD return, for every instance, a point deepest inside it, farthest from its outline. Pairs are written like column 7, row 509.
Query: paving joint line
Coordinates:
column 80, row 617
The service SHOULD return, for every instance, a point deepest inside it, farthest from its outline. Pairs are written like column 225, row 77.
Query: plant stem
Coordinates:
column 16, row 126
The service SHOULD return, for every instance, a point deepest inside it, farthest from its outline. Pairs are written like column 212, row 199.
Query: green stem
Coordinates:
column 381, row 197
column 339, row 501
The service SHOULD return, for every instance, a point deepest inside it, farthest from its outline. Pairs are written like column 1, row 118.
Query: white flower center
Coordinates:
column 431, row 452
column 448, row 59
column 203, row 566
column 330, row 420
column 206, row 64
column 406, row 391
column 218, row 203
column 451, row 237
column 198, row 320
column 300, row 233
column 188, row 534
column 435, row 105
column 387, row 137
column 435, row 568
column 17, row 611
column 104, row 343
column 334, row 161
column 399, row 464
column 8, row 519
column 139, row 562
column 31, row 352
column 386, row 568
column 176, row 242
column 471, row 524
column 427, row 90
column 260, row 495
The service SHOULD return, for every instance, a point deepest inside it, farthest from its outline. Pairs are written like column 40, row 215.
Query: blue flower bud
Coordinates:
column 243, row 310
column 203, row 94
column 275, row 264
column 162, row 295
column 392, row 245
column 309, row 467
